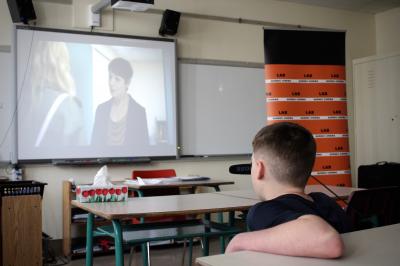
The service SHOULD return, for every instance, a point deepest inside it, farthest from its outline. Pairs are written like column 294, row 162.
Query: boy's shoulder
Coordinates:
column 272, row 212
column 289, row 207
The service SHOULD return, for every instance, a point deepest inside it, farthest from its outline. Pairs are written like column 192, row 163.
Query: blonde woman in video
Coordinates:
column 120, row 120
column 56, row 111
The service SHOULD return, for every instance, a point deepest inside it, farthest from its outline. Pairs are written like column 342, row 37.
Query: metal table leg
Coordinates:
column 206, row 244
column 220, row 219
column 119, row 250
column 89, row 239
column 145, row 247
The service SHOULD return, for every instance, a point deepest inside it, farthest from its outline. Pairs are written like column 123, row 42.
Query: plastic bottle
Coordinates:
column 14, row 176
column 19, row 174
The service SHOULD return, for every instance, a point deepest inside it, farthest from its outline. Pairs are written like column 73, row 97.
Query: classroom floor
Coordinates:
column 166, row 255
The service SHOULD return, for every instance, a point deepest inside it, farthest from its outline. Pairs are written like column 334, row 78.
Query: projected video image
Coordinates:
column 87, row 99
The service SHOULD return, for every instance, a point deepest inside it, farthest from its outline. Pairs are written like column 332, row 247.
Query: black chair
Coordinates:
column 374, row 207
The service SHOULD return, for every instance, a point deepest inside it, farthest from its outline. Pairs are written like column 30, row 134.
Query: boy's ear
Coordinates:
column 259, row 169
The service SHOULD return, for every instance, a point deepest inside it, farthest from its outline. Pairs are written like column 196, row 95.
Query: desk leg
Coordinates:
column 145, row 247
column 231, row 218
column 231, row 222
column 206, row 247
column 190, row 251
column 220, row 215
column 119, row 251
column 220, row 219
column 89, row 239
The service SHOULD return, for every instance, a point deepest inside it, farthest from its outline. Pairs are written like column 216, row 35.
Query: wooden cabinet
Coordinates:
column 21, row 230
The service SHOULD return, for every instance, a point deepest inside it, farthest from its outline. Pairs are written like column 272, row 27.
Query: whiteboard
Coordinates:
column 221, row 108
column 7, row 140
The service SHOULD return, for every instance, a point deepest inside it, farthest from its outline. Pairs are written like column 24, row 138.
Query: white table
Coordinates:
column 372, row 247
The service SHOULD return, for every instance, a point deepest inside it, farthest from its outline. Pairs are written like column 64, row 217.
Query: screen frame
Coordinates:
column 102, row 160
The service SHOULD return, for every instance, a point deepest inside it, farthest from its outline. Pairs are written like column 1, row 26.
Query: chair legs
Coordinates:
column 146, row 253
column 190, row 252
column 184, row 252
column 131, row 255
column 190, row 259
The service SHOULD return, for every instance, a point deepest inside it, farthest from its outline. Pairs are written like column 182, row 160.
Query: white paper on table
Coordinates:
column 193, row 178
column 152, row 181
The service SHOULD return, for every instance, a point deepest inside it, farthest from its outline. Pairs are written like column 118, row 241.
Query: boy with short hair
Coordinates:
column 288, row 221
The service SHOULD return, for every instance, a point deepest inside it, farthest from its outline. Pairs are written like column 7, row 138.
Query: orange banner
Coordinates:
column 332, row 163
column 305, row 90
column 278, row 71
column 322, row 126
column 334, row 180
column 305, row 96
column 330, row 108
column 332, row 145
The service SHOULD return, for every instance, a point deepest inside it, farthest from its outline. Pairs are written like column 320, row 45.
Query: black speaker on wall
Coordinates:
column 169, row 23
column 21, row 10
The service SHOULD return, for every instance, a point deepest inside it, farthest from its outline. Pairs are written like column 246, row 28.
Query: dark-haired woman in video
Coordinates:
column 120, row 120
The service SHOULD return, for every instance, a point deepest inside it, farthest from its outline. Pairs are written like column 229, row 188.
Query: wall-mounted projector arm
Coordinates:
column 96, row 8
column 94, row 12
column 132, row 5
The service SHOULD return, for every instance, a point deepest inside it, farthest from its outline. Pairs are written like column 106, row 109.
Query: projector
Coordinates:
column 132, row 5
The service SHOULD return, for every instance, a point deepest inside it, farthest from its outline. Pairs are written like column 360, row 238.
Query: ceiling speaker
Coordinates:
column 21, row 10
column 169, row 23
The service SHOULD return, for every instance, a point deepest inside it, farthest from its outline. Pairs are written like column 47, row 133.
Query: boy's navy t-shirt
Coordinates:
column 289, row 207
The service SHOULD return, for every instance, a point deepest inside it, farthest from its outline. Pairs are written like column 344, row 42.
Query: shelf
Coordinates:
column 96, row 223
column 69, row 242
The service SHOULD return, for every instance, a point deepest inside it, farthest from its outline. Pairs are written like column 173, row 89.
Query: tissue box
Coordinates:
column 90, row 193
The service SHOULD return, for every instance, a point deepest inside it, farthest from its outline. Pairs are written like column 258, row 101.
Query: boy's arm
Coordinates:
column 307, row 236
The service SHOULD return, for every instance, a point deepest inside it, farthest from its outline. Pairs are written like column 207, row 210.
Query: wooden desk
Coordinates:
column 202, row 203
column 342, row 192
column 378, row 246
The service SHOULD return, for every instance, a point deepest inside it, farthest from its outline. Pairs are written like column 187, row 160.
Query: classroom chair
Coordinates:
column 374, row 207
column 157, row 173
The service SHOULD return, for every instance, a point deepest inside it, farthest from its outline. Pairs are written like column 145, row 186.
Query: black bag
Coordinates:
column 381, row 174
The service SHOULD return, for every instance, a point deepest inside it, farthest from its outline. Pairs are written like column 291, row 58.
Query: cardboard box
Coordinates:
column 90, row 193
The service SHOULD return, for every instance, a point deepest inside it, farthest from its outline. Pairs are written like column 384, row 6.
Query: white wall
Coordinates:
column 388, row 32
column 197, row 38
